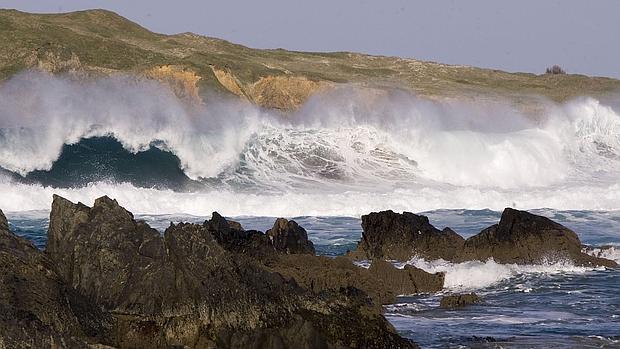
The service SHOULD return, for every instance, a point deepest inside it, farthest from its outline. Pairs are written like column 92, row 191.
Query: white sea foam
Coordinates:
column 478, row 275
column 23, row 197
column 342, row 154
column 609, row 252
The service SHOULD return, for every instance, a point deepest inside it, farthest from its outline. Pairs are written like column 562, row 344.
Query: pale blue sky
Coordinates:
column 524, row 35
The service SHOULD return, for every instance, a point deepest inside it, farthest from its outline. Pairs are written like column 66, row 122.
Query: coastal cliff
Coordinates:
column 97, row 43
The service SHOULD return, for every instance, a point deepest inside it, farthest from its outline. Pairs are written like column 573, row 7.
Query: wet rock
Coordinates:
column 525, row 238
column 37, row 309
column 289, row 237
column 196, row 287
column 382, row 281
column 389, row 235
column 105, row 254
column 520, row 237
column 234, row 238
column 459, row 300
column 408, row 280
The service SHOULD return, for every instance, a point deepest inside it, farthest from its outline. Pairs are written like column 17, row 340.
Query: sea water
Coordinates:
column 344, row 153
column 525, row 306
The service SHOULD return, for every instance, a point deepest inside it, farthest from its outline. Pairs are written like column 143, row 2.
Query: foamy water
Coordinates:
column 341, row 154
column 554, row 305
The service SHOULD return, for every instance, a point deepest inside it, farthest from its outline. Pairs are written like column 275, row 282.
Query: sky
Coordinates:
column 524, row 35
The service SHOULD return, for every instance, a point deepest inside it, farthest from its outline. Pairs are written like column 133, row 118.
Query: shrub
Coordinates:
column 556, row 69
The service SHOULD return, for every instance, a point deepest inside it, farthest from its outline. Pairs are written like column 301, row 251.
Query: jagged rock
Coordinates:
column 195, row 287
column 104, row 254
column 525, row 238
column 520, row 237
column 234, row 238
column 389, row 235
column 37, row 309
column 459, row 300
column 289, row 237
column 382, row 281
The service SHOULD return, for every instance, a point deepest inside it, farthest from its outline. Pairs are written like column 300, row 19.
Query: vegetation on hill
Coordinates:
column 99, row 42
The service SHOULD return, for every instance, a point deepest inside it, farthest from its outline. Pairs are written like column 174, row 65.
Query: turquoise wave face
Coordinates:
column 101, row 159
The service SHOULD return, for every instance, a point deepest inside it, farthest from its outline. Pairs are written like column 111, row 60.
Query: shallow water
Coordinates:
column 549, row 306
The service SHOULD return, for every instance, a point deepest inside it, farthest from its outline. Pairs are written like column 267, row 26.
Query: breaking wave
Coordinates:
column 473, row 275
column 344, row 153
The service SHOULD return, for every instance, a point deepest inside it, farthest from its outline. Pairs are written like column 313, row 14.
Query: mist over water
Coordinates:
column 344, row 153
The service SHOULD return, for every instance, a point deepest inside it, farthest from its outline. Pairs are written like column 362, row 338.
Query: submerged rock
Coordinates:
column 459, row 300
column 520, row 237
column 197, row 287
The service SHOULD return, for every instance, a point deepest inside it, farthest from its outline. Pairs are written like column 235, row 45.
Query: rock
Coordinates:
column 520, row 237
column 319, row 273
column 196, row 287
column 37, row 309
column 525, row 238
column 459, row 300
column 382, row 281
column 408, row 280
column 104, row 253
column 4, row 224
column 389, row 235
column 289, row 237
column 234, row 238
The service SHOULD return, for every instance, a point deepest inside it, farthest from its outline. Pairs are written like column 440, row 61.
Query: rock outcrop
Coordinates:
column 519, row 237
column 525, row 238
column 196, row 286
column 286, row 250
column 382, row 281
column 459, row 300
column 37, row 308
column 289, row 237
column 390, row 235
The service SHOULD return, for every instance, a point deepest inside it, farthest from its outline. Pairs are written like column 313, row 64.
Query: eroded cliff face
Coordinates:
column 282, row 92
column 182, row 81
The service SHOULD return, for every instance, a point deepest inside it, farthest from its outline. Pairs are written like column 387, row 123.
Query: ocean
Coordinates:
column 340, row 156
column 525, row 306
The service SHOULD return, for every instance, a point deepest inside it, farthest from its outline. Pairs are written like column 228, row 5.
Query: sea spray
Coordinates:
column 342, row 153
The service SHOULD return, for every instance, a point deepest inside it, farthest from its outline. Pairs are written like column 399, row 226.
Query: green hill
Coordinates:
column 98, row 42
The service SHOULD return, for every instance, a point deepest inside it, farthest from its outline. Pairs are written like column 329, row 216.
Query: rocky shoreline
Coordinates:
column 106, row 279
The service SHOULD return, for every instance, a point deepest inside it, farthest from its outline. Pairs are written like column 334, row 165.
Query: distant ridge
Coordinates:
column 99, row 42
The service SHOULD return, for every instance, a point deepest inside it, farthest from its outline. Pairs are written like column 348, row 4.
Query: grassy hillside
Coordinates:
column 99, row 42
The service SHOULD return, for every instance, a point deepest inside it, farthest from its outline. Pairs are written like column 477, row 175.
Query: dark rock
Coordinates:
column 459, row 300
column 196, row 287
column 104, row 254
column 289, row 237
column 234, row 238
column 408, row 280
column 520, row 237
column 389, row 235
column 319, row 273
column 382, row 281
column 525, row 238
column 37, row 309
